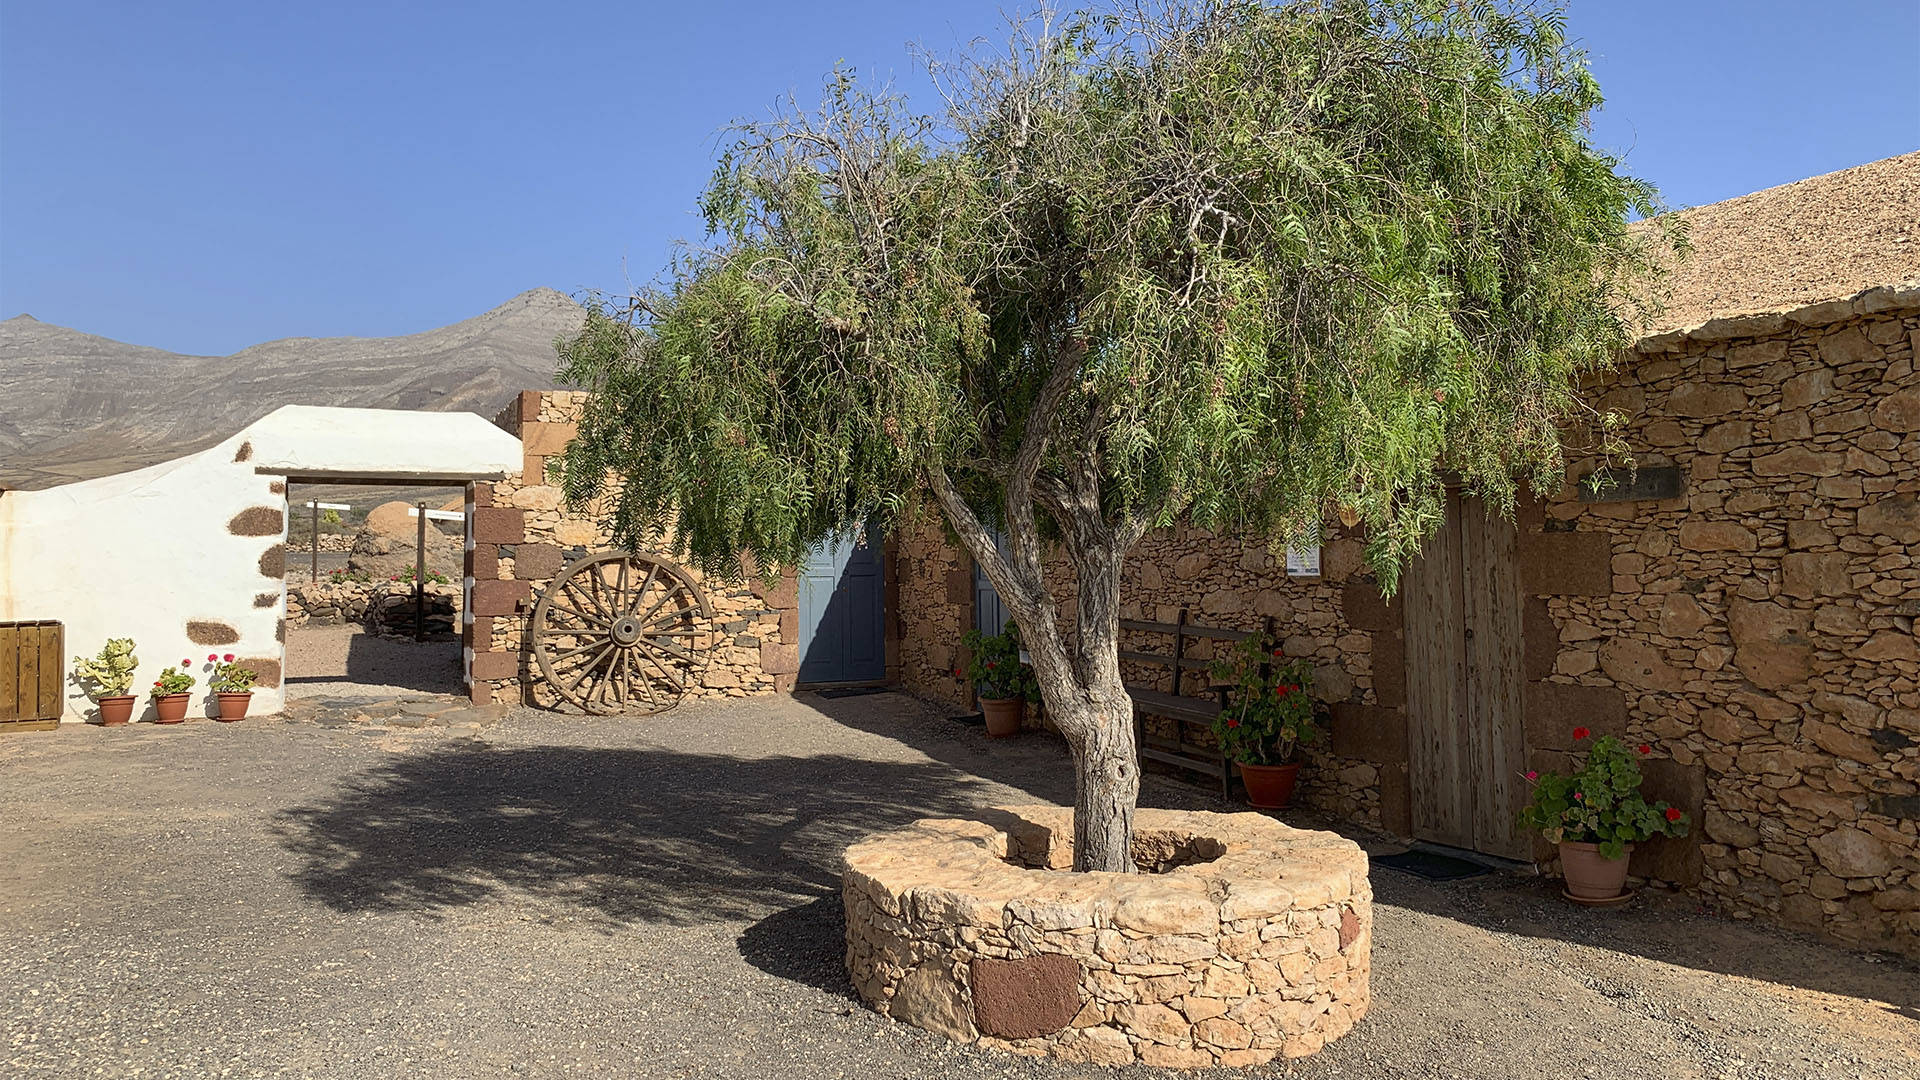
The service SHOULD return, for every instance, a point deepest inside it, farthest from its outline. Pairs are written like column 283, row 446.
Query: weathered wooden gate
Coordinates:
column 1465, row 728
column 32, row 663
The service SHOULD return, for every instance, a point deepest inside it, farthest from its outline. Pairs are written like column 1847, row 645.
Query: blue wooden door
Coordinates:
column 989, row 614
column 842, row 612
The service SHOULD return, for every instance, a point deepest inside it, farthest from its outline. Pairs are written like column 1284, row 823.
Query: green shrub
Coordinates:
column 995, row 668
column 1601, row 804
column 1270, row 708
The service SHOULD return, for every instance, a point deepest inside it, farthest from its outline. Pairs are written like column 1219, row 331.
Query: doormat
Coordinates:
column 850, row 691
column 1433, row 867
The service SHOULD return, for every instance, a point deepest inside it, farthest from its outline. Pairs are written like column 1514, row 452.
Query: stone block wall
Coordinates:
column 1755, row 626
column 1758, row 628
column 523, row 537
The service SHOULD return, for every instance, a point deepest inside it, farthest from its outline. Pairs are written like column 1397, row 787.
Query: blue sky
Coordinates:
column 200, row 176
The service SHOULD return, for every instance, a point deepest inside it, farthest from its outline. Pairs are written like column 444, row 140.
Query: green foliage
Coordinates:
column 1296, row 259
column 330, row 518
column 1601, row 804
column 994, row 666
column 1270, row 707
column 173, row 681
column 109, row 673
column 405, row 577
column 342, row 575
column 230, row 678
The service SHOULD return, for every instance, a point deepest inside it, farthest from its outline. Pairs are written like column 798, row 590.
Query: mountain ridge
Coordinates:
column 81, row 405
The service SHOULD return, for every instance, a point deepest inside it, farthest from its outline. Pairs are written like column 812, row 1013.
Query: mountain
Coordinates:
column 80, row 406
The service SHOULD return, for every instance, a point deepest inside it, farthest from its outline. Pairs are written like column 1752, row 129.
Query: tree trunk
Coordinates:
column 1080, row 685
column 1106, row 785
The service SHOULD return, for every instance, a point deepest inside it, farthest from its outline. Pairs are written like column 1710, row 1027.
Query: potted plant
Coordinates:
column 106, row 678
column 232, row 687
column 170, row 694
column 1267, row 713
column 1002, row 681
column 1596, row 816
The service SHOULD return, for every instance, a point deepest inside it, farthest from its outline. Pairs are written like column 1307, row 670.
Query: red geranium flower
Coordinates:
column 184, row 663
column 1673, row 814
column 1233, row 723
column 228, row 658
column 1645, row 749
column 210, row 656
column 1580, row 797
column 1533, row 774
column 1581, row 733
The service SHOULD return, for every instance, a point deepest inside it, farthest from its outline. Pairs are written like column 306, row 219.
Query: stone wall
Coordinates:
column 379, row 606
column 1759, row 627
column 523, row 537
column 1754, row 627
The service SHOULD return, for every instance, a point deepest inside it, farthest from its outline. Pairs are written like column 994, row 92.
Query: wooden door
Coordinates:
column 843, row 612
column 32, row 673
column 1465, row 731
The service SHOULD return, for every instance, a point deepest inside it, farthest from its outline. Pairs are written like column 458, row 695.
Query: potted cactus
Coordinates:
column 170, row 694
column 1596, row 816
column 1003, row 683
column 106, row 677
column 232, row 687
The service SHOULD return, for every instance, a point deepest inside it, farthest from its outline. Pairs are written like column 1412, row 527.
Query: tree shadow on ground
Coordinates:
column 629, row 835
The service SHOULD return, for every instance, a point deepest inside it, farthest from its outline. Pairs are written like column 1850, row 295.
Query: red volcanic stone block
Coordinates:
column 500, row 597
column 494, row 666
column 1026, row 997
column 499, row 525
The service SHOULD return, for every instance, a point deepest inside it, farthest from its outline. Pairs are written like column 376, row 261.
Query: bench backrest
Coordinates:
column 1183, row 633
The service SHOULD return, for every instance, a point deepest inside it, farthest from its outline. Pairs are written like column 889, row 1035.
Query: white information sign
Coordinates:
column 1303, row 556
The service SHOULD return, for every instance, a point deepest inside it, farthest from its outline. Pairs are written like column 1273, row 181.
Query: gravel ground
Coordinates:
column 335, row 661
column 567, row 896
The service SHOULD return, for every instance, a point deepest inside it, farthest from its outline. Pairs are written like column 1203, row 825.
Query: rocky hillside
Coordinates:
column 80, row 406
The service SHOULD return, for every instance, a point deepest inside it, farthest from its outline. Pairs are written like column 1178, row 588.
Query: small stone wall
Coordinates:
column 524, row 536
column 1245, row 939
column 357, row 603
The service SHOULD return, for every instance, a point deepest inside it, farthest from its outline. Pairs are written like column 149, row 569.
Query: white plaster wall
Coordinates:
column 143, row 553
column 139, row 555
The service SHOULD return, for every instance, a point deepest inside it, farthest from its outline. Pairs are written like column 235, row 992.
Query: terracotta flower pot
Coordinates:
column 115, row 710
column 1270, row 787
column 1589, row 875
column 1003, row 715
column 170, row 708
column 233, row 706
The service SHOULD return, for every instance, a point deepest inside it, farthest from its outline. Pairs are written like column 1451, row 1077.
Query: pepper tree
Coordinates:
column 1234, row 263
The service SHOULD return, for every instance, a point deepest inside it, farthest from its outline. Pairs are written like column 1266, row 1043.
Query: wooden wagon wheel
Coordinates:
column 619, row 632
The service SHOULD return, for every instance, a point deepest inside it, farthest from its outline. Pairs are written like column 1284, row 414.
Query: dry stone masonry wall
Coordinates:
column 1759, row 627
column 524, row 536
column 1244, row 941
column 1754, row 624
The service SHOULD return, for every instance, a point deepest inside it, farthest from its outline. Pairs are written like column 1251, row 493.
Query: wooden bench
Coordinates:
column 1189, row 711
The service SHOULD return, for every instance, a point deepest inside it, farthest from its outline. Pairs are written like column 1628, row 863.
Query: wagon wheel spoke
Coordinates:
column 679, row 685
column 645, row 680
column 582, row 616
column 584, row 673
column 667, row 649
column 640, row 594
column 620, row 632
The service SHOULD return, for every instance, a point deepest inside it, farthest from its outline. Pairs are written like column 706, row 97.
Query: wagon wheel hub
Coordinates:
column 621, row 633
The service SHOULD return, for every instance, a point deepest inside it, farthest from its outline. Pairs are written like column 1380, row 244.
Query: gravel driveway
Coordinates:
column 622, row 897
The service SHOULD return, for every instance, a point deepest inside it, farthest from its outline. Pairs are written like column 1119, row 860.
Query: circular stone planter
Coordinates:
column 1243, row 940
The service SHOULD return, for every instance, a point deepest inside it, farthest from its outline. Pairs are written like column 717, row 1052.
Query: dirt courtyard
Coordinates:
column 568, row 896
